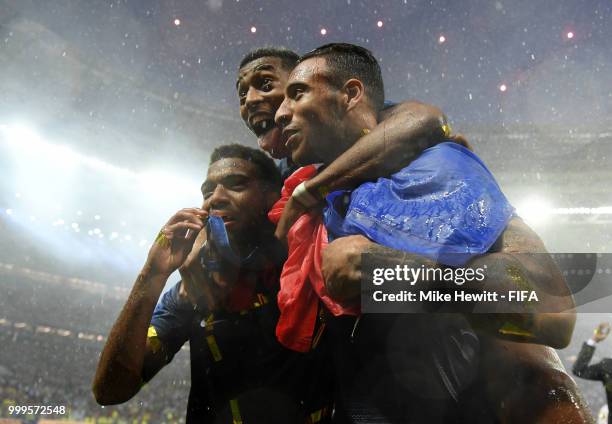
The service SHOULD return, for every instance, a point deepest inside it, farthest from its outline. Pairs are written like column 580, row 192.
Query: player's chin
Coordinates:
column 300, row 156
column 236, row 230
column 279, row 154
column 271, row 143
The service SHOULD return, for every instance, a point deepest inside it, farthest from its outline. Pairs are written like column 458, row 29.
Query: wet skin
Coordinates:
column 234, row 191
column 313, row 115
column 261, row 90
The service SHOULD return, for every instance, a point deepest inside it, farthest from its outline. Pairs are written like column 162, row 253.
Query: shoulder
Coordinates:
column 519, row 238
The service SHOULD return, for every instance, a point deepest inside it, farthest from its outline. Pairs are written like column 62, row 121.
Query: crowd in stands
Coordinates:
column 51, row 336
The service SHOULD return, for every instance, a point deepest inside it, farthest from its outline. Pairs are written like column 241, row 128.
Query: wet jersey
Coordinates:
column 239, row 371
column 407, row 368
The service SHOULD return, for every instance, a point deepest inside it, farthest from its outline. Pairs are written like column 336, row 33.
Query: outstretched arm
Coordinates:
column 582, row 368
column 515, row 261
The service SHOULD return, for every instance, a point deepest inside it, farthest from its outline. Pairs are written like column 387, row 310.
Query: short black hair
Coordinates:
column 288, row 58
column 267, row 169
column 352, row 61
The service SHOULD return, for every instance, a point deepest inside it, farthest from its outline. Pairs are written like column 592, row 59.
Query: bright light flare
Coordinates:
column 25, row 141
column 535, row 210
column 177, row 22
column 323, row 31
column 503, row 88
column 253, row 30
column 48, row 174
column 441, row 39
column 569, row 35
column 379, row 24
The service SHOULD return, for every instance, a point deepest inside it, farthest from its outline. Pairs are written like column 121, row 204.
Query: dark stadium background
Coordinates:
column 109, row 110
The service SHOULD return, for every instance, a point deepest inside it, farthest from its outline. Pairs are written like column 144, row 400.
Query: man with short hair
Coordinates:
column 239, row 372
column 261, row 84
column 328, row 106
column 332, row 96
column 405, row 130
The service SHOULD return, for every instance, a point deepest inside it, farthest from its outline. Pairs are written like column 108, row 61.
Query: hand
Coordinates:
column 601, row 332
column 292, row 211
column 175, row 240
column 460, row 139
column 341, row 266
column 201, row 287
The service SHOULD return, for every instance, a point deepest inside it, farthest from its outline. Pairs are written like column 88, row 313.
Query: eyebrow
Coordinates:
column 293, row 85
column 258, row 68
column 208, row 184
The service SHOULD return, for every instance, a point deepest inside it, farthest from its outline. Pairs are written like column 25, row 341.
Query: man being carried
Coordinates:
column 399, row 135
column 327, row 107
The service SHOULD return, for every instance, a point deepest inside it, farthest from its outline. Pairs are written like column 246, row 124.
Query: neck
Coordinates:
column 251, row 238
column 359, row 124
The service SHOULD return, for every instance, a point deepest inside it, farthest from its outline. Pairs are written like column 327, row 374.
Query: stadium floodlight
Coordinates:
column 534, row 210
column 601, row 210
column 24, row 140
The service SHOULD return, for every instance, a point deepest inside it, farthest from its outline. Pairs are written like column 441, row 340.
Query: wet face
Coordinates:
column 261, row 90
column 233, row 191
column 312, row 114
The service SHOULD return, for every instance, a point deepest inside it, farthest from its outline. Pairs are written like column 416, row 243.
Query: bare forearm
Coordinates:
column 549, row 321
column 405, row 131
column 119, row 373
column 503, row 272
column 342, row 266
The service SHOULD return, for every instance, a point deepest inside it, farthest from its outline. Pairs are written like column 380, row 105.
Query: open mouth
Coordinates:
column 289, row 137
column 262, row 127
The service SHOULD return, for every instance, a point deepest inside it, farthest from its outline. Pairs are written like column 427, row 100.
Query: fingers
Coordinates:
column 180, row 228
column 292, row 212
column 185, row 223
column 281, row 236
column 193, row 259
column 198, row 287
column 193, row 215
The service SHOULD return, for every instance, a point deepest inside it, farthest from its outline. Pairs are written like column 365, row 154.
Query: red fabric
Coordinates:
column 301, row 281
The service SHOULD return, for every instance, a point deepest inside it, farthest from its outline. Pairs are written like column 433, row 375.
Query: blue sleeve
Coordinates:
column 172, row 320
column 445, row 205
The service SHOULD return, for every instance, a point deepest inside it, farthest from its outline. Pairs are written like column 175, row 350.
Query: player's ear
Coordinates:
column 354, row 92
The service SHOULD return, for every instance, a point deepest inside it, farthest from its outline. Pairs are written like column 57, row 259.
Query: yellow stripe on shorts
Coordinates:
column 214, row 348
column 236, row 417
